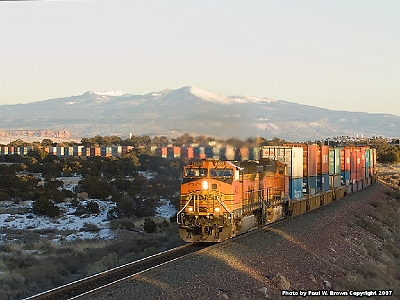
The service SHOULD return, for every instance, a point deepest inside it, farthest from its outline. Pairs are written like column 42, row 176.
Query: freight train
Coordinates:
column 220, row 199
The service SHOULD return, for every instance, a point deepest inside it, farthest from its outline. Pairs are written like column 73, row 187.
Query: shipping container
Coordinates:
column 292, row 157
column 244, row 153
column 78, row 150
column 94, row 151
column 367, row 162
column 69, row 151
column 162, row 151
column 23, row 150
column 335, row 181
column 227, row 153
column 53, row 151
column 310, row 186
column 345, row 177
column 323, row 160
column 362, row 162
column 86, row 151
column 209, row 152
column 254, row 153
column 116, row 151
column 127, row 149
column 323, row 182
column 173, row 152
column 334, row 161
column 345, row 159
column 60, row 151
column 187, row 152
column 295, row 188
column 4, row 150
column 199, row 152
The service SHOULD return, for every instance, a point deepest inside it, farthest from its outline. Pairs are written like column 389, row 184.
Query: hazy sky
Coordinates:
column 342, row 55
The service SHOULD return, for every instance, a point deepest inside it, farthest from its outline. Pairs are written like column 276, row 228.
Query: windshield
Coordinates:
column 195, row 172
column 221, row 172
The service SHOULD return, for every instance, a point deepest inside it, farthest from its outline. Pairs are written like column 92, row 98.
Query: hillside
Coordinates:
column 350, row 245
column 192, row 110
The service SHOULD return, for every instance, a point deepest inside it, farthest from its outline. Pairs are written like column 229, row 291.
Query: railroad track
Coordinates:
column 89, row 285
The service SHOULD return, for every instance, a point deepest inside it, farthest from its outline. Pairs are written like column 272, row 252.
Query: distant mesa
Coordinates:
column 35, row 133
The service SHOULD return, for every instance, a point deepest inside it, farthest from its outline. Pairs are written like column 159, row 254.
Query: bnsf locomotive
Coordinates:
column 221, row 199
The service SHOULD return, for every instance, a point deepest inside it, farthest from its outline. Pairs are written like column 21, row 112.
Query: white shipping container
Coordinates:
column 292, row 157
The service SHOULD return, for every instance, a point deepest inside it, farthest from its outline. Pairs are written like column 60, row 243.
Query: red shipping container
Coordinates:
column 312, row 160
column 345, row 159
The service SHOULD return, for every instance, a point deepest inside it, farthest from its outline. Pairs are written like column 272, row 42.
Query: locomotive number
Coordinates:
column 197, row 163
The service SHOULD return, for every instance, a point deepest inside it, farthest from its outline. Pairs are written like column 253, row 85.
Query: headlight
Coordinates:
column 190, row 208
column 216, row 209
column 204, row 184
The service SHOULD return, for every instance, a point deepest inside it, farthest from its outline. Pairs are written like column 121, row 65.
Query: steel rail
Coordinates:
column 80, row 288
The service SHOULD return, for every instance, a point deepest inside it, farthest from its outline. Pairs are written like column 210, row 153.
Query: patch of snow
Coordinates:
column 165, row 210
column 211, row 97
column 147, row 174
column 208, row 96
column 113, row 93
column 67, row 222
column 70, row 182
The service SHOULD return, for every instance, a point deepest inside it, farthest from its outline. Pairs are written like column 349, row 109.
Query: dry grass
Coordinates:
column 34, row 264
column 380, row 268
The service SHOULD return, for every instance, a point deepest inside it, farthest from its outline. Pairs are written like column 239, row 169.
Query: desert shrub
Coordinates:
column 107, row 262
column 93, row 207
column 13, row 285
column 372, row 249
column 124, row 223
column 149, row 225
column 89, row 227
column 372, row 225
column 4, row 196
column 45, row 207
column 75, row 202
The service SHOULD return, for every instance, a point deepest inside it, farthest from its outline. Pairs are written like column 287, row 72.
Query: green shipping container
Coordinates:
column 334, row 161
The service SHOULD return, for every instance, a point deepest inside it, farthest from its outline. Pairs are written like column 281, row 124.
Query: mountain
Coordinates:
column 192, row 110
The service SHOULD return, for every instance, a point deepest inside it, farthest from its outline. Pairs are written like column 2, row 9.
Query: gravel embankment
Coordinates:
column 310, row 252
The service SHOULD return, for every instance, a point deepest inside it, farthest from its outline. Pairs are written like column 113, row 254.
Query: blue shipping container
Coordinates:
column 296, row 188
column 310, row 185
column 323, row 182
column 345, row 177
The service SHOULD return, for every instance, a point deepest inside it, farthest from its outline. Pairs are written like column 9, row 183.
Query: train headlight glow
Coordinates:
column 190, row 208
column 204, row 185
column 216, row 209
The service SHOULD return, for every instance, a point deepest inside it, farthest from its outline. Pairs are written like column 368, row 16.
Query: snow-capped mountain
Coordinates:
column 192, row 110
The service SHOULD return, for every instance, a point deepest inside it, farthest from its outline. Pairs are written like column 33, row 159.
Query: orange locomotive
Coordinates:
column 220, row 199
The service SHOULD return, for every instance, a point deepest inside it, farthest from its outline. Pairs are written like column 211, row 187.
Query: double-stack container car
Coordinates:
column 220, row 199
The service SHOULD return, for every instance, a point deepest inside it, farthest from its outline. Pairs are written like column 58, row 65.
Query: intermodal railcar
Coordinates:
column 220, row 199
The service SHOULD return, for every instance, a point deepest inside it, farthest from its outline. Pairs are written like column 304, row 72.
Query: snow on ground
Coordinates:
column 165, row 210
column 20, row 217
column 67, row 223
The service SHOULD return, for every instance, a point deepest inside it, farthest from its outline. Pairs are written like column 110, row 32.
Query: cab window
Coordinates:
column 221, row 172
column 195, row 172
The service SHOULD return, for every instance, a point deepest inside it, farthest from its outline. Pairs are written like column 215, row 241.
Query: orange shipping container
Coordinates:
column 312, row 160
column 345, row 159
column 323, row 160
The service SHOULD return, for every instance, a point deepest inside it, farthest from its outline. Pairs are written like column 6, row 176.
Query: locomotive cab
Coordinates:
column 220, row 199
column 205, row 196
